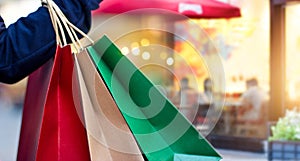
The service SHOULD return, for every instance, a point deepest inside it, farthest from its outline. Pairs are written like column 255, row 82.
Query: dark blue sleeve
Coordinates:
column 2, row 25
column 30, row 42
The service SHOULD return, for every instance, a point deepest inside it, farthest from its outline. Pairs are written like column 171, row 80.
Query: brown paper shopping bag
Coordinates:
column 109, row 136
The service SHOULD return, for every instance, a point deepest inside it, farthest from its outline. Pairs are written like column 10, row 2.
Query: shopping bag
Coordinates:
column 160, row 130
column 109, row 136
column 51, row 127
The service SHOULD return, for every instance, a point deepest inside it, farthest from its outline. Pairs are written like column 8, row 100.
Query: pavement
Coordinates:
column 233, row 155
column 10, row 123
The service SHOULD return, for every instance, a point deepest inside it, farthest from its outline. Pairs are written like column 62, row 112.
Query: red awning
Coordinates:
column 189, row 8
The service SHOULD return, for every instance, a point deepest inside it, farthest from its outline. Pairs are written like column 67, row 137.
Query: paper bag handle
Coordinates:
column 58, row 21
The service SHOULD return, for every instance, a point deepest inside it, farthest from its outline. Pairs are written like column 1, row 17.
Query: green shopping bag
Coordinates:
column 162, row 133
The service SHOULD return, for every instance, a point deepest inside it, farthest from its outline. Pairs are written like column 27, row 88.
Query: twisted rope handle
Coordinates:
column 59, row 22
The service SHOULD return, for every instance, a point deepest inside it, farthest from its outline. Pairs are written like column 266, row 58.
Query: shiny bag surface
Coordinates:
column 51, row 127
column 160, row 130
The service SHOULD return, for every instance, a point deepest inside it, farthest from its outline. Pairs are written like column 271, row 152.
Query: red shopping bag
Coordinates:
column 51, row 128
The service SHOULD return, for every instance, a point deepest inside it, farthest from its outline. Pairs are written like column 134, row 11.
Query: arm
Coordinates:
column 30, row 42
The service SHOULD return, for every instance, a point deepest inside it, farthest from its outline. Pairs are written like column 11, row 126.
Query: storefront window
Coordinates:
column 240, row 44
column 243, row 44
column 292, row 55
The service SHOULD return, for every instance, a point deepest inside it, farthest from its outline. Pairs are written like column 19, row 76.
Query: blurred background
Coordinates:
column 12, row 96
column 246, row 48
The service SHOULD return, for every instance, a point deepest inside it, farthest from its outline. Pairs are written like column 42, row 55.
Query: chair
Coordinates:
column 254, row 128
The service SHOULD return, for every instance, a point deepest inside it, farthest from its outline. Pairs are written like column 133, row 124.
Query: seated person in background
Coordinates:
column 253, row 101
column 186, row 96
column 208, row 91
column 186, row 99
